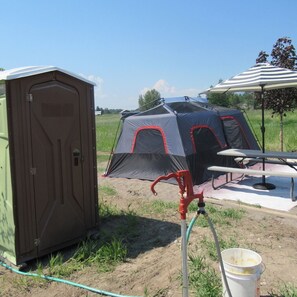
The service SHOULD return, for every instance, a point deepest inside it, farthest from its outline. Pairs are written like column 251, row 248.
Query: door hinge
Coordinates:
column 32, row 171
column 37, row 241
column 29, row 97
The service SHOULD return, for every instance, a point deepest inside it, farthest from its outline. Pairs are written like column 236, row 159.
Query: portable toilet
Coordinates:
column 48, row 171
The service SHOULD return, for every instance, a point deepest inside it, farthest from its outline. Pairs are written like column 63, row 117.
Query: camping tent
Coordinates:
column 182, row 135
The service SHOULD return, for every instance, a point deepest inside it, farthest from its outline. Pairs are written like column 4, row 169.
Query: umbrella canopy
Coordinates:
column 259, row 78
column 255, row 78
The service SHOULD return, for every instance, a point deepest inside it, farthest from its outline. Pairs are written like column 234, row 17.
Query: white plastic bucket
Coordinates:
column 243, row 270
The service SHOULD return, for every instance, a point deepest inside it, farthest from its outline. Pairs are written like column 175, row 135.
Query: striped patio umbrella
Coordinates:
column 259, row 78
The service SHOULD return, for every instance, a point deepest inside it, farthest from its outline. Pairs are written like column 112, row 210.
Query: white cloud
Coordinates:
column 111, row 100
column 166, row 90
column 98, row 89
column 99, row 93
column 164, row 87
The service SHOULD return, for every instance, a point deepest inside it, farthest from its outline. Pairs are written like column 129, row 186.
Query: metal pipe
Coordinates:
column 184, row 258
column 263, row 132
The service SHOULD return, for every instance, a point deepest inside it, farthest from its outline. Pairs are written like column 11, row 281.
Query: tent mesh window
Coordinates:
column 234, row 134
column 206, row 146
column 144, row 145
column 185, row 107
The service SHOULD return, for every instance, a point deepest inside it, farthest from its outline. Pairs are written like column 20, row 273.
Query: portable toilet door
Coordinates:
column 52, row 146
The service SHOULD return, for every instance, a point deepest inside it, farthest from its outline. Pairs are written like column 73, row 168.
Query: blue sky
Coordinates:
column 179, row 47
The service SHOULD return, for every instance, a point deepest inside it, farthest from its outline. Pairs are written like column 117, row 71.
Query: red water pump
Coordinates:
column 184, row 180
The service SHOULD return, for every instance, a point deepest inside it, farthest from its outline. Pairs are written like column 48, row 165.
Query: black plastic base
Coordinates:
column 264, row 186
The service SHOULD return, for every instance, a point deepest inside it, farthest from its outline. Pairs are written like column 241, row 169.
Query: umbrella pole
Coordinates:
column 263, row 132
column 264, row 185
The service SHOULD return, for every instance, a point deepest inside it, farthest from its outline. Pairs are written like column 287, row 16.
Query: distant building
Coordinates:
column 99, row 112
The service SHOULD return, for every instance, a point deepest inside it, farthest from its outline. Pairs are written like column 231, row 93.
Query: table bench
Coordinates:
column 244, row 161
column 245, row 153
column 247, row 171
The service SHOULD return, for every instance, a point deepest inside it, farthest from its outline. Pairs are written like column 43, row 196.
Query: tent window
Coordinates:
column 234, row 134
column 207, row 145
column 185, row 107
column 205, row 141
column 149, row 141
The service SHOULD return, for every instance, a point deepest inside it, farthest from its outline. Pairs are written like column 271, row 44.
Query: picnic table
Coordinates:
column 285, row 158
column 245, row 153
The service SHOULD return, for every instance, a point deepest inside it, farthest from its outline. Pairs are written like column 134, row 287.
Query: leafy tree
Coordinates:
column 150, row 99
column 219, row 99
column 241, row 100
column 262, row 57
column 281, row 101
column 106, row 111
column 233, row 100
column 2, row 69
column 284, row 54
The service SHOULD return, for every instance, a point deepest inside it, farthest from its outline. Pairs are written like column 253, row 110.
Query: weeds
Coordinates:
column 219, row 216
column 210, row 248
column 288, row 290
column 285, row 290
column 57, row 267
column 85, row 251
column 105, row 253
column 104, row 257
column 159, row 207
column 26, row 284
column 107, row 211
column 108, row 255
column 159, row 293
column 203, row 278
column 107, row 191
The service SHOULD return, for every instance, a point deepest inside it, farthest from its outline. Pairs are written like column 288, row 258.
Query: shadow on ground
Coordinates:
column 138, row 234
column 141, row 234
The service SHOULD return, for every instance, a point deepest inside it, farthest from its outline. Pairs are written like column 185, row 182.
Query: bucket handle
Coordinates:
column 263, row 268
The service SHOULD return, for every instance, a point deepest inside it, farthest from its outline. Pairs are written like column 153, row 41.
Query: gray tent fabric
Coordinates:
column 178, row 136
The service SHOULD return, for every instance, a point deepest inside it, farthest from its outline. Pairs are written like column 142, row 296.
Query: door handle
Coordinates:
column 76, row 156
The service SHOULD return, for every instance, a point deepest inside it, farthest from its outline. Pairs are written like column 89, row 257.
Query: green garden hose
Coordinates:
column 59, row 280
column 106, row 293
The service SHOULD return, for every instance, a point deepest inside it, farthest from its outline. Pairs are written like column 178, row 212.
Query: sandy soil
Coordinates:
column 154, row 263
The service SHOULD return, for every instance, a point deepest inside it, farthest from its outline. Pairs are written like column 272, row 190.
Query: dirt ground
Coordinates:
column 154, row 264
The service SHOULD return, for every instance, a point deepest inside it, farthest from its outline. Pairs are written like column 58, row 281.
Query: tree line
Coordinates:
column 108, row 111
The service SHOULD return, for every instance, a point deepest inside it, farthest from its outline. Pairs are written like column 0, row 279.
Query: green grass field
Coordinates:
column 272, row 130
column 107, row 126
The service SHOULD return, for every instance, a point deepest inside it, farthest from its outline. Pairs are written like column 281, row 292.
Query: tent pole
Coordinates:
column 113, row 146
